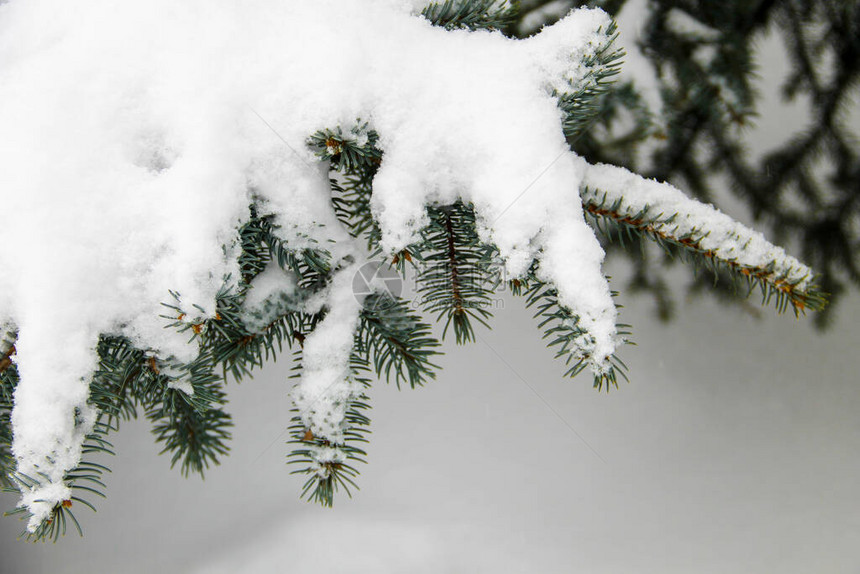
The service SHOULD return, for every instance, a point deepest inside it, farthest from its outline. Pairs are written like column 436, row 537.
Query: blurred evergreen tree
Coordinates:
column 704, row 57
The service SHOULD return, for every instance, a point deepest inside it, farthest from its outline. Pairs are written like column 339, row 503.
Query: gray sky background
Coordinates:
column 734, row 449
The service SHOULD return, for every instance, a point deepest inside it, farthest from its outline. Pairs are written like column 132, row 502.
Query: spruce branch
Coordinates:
column 186, row 409
column 126, row 377
column 472, row 14
column 255, row 250
column 452, row 280
column 8, row 382
column 563, row 329
column 391, row 340
column 355, row 158
column 194, row 434
column 241, row 339
column 401, row 344
column 351, row 201
column 121, row 381
column 329, row 466
column 84, row 481
column 349, row 152
column 619, row 221
column 260, row 244
column 185, row 402
column 583, row 104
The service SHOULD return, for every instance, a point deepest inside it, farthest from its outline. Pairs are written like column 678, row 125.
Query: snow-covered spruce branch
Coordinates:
column 78, row 487
column 583, row 100
column 354, row 159
column 184, row 401
column 459, row 165
column 391, row 340
column 570, row 341
column 659, row 211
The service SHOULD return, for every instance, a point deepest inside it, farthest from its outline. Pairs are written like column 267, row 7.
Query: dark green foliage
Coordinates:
column 351, row 201
column 126, row 378
column 471, row 15
column 584, row 103
column 111, row 396
column 400, row 344
column 239, row 349
column 805, row 189
column 453, row 281
column 194, row 429
column 8, row 381
column 352, row 152
column 564, row 332
column 255, row 238
column 355, row 159
column 260, row 245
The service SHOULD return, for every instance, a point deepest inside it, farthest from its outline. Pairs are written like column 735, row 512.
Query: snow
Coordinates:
column 183, row 385
column 273, row 292
column 712, row 230
column 136, row 134
column 327, row 388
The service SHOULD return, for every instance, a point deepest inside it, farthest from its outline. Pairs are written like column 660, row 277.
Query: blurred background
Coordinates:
column 734, row 447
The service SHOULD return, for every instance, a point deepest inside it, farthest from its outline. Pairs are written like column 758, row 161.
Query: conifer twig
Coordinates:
column 660, row 213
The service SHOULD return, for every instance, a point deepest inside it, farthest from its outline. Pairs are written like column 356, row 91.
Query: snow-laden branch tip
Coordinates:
column 666, row 214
